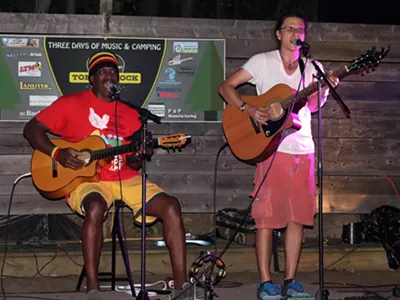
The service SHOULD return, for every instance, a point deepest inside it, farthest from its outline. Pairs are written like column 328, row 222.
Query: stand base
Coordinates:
column 301, row 298
column 396, row 291
column 322, row 295
column 143, row 295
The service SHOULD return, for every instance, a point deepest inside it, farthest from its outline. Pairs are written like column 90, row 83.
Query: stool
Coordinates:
column 116, row 231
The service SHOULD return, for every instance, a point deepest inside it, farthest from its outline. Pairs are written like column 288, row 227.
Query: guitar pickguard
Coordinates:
column 273, row 126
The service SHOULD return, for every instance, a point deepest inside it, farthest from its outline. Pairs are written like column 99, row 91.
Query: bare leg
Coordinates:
column 293, row 243
column 264, row 251
column 168, row 210
column 92, row 237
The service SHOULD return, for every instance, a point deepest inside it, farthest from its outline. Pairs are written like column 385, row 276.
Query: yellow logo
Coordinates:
column 124, row 78
column 34, row 86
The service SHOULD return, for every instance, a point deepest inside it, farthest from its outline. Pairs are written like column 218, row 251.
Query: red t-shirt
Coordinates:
column 77, row 116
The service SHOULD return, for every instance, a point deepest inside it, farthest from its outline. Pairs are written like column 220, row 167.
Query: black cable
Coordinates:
column 116, row 133
column 346, row 254
column 6, row 237
column 230, row 241
column 28, row 297
column 370, row 292
column 215, row 194
column 38, row 271
column 352, row 285
column 269, row 167
column 69, row 256
column 122, row 226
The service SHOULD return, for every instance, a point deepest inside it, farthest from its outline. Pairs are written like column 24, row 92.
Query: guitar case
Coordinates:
column 229, row 219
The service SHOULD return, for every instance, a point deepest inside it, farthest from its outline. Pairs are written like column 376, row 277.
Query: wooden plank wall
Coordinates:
column 356, row 151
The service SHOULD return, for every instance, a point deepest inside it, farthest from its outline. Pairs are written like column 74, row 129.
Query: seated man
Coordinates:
column 95, row 112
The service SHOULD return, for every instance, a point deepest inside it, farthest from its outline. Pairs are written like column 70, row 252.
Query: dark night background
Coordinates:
column 335, row 11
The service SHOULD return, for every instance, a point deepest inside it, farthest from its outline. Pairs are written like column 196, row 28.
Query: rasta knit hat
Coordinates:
column 102, row 59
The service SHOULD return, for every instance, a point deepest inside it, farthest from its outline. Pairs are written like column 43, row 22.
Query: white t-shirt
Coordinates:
column 267, row 70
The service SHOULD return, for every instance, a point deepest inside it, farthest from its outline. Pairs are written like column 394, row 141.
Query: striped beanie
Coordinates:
column 102, row 59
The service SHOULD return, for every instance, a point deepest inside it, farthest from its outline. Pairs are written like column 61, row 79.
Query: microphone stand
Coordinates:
column 145, row 115
column 322, row 293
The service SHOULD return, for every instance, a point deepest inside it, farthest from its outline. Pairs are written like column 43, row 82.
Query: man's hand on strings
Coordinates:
column 259, row 114
column 68, row 158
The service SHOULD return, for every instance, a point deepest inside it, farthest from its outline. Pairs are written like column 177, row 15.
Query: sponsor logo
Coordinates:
column 20, row 42
column 186, row 47
column 41, row 100
column 28, row 113
column 174, row 110
column 186, row 71
column 176, row 113
column 157, row 109
column 24, row 54
column 34, row 86
column 171, row 77
column 177, row 60
column 124, row 78
column 168, row 92
column 29, row 69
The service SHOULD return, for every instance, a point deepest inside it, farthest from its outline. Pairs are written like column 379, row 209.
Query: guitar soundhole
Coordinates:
column 274, row 125
column 276, row 110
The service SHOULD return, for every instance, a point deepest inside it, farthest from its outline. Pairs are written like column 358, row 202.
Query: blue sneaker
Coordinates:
column 268, row 291
column 292, row 288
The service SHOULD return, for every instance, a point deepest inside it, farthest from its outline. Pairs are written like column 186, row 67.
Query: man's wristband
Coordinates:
column 54, row 152
column 243, row 106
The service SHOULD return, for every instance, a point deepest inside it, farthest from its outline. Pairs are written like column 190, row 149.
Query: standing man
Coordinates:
column 94, row 112
column 287, row 197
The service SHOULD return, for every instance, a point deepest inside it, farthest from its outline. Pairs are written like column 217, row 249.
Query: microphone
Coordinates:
column 114, row 91
column 299, row 42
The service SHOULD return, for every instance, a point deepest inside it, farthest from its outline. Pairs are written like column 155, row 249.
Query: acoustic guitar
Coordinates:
column 252, row 142
column 54, row 181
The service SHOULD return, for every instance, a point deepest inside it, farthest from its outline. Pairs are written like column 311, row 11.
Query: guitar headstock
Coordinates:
column 173, row 141
column 367, row 61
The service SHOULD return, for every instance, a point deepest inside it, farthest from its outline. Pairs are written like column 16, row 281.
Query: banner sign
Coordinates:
column 176, row 79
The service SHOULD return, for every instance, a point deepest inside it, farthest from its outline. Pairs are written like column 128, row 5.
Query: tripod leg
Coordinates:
column 113, row 251
column 126, row 259
column 83, row 274
column 275, row 251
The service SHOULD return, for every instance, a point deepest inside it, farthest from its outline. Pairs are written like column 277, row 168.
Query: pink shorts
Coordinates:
column 287, row 194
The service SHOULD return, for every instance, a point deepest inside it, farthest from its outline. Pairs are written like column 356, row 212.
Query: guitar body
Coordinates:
column 54, row 181
column 250, row 141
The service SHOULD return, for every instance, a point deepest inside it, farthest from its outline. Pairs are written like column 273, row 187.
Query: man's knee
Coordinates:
column 174, row 207
column 94, row 206
column 166, row 207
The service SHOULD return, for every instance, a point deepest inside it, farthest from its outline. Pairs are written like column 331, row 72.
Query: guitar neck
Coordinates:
column 118, row 150
column 302, row 96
